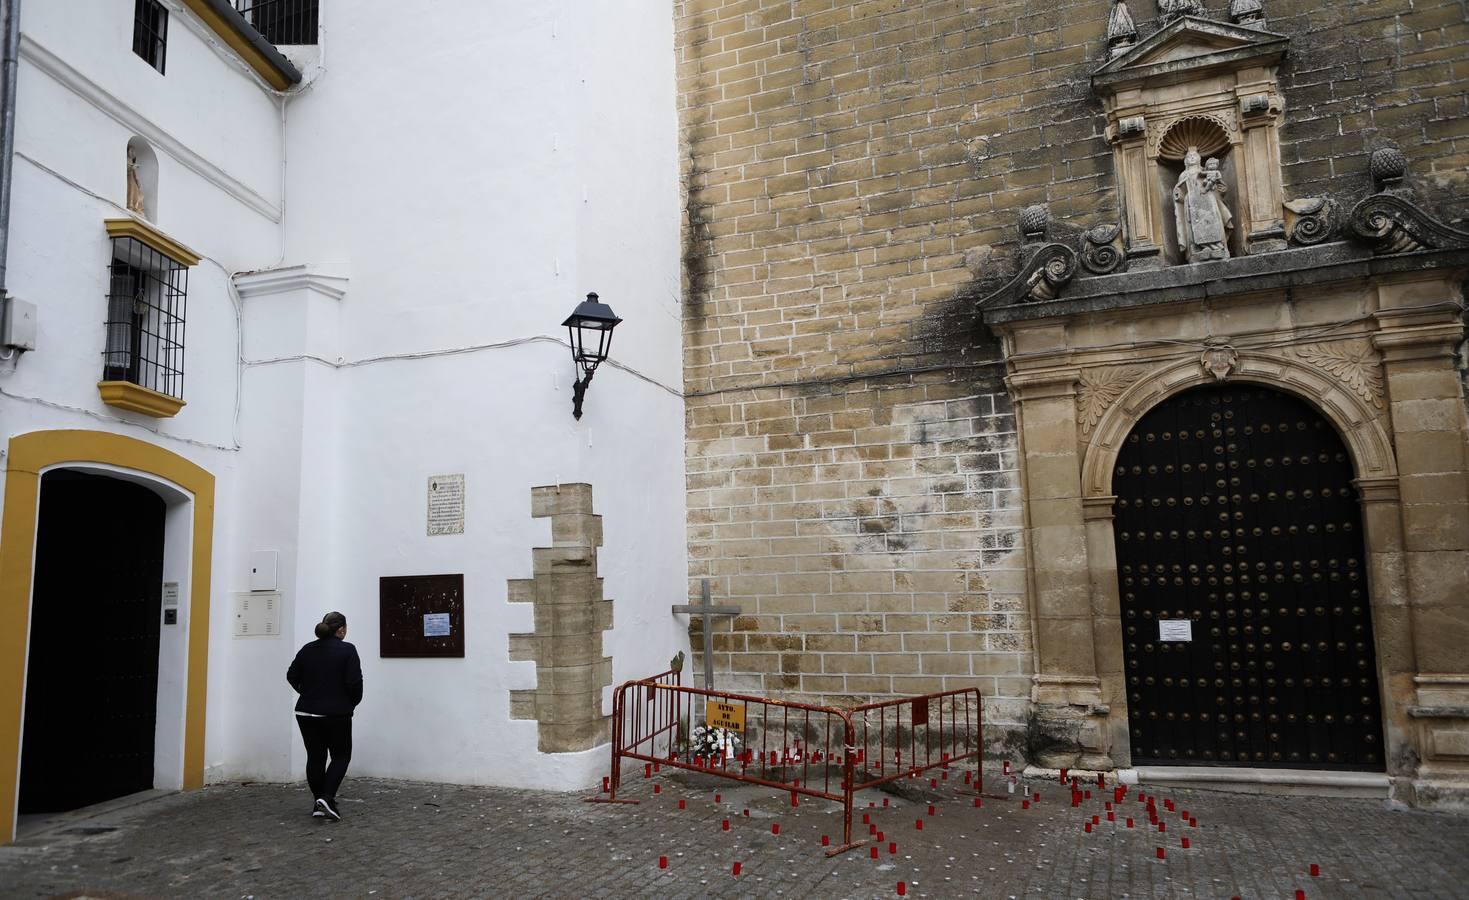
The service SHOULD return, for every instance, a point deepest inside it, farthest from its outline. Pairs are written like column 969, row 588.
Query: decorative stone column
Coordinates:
column 1106, row 607
column 1392, row 619
column 1142, row 208
column 1420, row 336
column 1260, row 108
column 1067, row 725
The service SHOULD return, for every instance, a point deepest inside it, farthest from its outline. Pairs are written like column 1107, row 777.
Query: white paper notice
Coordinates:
column 446, row 504
column 1175, row 630
column 436, row 625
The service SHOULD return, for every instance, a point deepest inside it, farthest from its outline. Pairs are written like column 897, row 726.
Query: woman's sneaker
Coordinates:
column 328, row 809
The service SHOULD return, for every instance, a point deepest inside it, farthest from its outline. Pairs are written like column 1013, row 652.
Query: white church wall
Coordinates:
column 468, row 171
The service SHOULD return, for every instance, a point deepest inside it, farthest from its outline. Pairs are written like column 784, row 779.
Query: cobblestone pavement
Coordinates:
column 401, row 839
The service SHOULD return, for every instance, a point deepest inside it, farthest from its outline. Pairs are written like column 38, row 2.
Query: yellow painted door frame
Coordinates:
column 30, row 455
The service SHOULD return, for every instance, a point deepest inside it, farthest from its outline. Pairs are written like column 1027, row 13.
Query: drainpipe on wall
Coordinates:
column 10, row 13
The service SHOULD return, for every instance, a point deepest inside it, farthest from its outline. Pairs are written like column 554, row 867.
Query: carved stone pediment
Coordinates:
column 1189, row 47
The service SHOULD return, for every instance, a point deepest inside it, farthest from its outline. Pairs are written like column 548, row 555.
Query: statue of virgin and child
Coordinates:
column 1201, row 217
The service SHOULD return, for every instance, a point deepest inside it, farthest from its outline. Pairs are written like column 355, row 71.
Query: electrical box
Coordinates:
column 262, row 570
column 18, row 330
column 257, row 614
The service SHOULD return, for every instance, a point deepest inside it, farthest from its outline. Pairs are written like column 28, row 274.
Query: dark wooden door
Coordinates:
column 1237, row 521
column 92, row 669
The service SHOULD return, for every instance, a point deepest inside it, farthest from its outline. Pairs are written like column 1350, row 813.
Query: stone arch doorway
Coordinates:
column 1246, row 621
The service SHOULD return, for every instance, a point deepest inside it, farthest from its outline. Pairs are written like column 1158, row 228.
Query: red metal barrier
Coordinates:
column 942, row 730
column 806, row 749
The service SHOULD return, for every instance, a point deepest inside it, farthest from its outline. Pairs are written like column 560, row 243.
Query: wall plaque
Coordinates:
column 445, row 504
column 421, row 616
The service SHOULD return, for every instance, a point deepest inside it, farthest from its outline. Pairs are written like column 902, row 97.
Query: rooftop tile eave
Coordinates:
column 260, row 54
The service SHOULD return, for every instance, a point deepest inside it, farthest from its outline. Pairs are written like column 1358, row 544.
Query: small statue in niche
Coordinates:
column 1201, row 218
column 135, row 188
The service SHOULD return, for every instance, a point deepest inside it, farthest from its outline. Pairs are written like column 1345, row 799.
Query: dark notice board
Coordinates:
column 404, row 600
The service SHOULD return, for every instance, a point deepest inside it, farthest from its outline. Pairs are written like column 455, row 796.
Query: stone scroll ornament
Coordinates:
column 1309, row 221
column 1389, row 222
column 1097, row 391
column 1352, row 362
column 1047, row 269
column 1101, row 250
column 1046, row 273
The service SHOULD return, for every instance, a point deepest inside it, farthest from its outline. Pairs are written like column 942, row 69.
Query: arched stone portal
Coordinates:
column 1246, row 625
column 1085, row 373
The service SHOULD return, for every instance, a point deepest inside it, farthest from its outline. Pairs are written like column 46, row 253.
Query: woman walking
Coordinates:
column 328, row 676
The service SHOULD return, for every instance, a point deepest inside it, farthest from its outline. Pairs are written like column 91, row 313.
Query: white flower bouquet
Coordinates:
column 710, row 742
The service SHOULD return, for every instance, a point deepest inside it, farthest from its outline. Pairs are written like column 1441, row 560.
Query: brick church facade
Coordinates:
column 935, row 284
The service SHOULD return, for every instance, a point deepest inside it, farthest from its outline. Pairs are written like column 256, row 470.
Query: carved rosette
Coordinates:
column 1098, row 389
column 1353, row 362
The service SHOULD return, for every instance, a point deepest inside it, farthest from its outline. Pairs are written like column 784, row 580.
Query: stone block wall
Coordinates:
column 853, row 174
column 570, row 616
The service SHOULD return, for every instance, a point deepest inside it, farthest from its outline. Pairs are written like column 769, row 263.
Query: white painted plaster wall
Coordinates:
column 474, row 170
column 471, row 172
column 82, row 96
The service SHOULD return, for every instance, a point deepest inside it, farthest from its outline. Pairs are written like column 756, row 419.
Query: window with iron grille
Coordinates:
column 150, row 32
column 282, row 21
column 145, row 318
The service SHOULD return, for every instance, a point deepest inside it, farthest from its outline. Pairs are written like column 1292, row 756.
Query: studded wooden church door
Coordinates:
column 1247, row 633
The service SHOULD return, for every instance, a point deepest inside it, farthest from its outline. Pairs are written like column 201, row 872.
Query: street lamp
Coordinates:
column 590, row 330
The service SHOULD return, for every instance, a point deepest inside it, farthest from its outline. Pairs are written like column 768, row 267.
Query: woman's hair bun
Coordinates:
column 330, row 624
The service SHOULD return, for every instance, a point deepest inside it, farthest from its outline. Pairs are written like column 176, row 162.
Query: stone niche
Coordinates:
column 1206, row 84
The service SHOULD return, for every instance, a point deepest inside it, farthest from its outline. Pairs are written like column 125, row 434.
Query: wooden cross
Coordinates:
column 706, row 610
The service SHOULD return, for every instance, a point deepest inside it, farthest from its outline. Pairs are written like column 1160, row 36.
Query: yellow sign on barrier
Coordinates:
column 726, row 715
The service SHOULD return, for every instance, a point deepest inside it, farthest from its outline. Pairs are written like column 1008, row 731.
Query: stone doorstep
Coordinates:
column 29, row 826
column 1243, row 780
column 1297, row 782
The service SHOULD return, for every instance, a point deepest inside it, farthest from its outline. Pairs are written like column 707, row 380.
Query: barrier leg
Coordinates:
column 849, row 778
column 614, row 779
